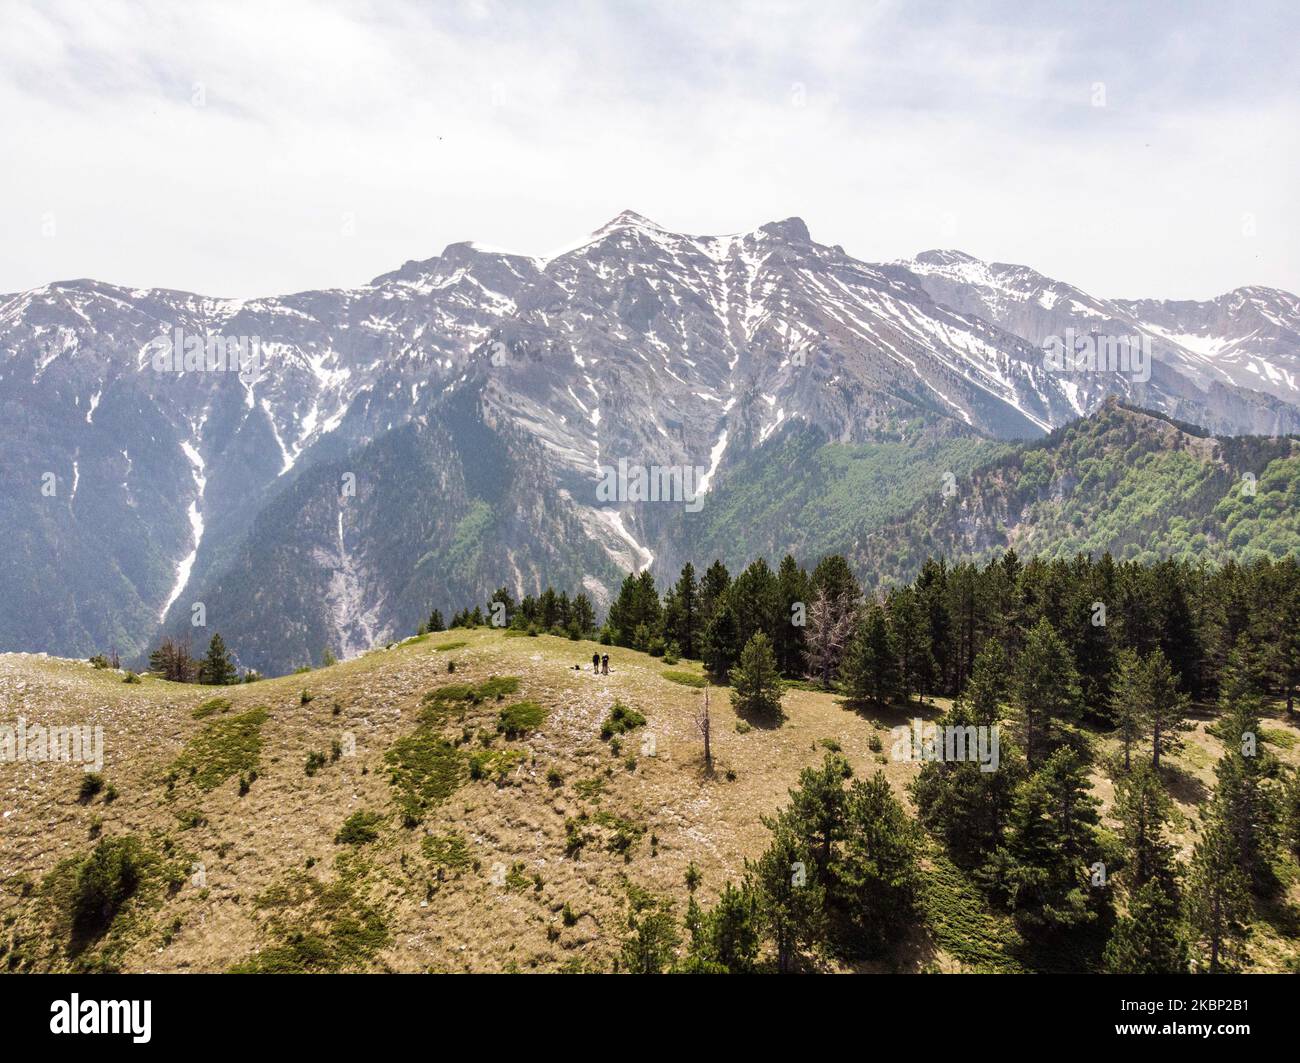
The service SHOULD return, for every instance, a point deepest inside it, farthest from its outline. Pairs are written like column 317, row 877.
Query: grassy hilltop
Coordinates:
column 390, row 814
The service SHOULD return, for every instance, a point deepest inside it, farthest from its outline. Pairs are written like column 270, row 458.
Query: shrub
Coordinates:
column 105, row 881
column 424, row 770
column 131, row 677
column 498, row 687
column 360, row 828
column 520, row 718
column 306, row 697
column 620, row 720
column 315, row 761
column 224, row 747
column 494, row 765
column 687, row 679
column 91, row 783
column 211, row 707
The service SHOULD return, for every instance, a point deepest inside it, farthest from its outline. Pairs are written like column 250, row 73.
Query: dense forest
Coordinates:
column 1052, row 654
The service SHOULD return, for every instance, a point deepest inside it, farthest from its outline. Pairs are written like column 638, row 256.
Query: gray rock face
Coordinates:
column 451, row 426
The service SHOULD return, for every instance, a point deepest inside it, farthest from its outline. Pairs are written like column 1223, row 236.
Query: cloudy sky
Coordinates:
column 242, row 149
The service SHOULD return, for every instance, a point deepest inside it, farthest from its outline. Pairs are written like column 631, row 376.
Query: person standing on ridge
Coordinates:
column 604, row 665
column 595, row 663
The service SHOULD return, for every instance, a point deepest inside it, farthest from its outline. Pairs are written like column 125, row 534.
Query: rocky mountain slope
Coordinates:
column 448, row 428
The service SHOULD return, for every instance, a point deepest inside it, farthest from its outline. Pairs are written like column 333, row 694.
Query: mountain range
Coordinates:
column 455, row 425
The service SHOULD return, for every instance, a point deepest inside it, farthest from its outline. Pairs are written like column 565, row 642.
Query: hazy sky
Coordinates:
column 245, row 149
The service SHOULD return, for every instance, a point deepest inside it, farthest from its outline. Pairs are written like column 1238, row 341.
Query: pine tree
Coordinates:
column 794, row 598
column 816, row 810
column 623, row 613
column 1044, row 690
column 436, row 622
column 909, row 630
column 877, row 876
column 1243, row 800
column 1218, row 900
column 1127, row 702
column 501, row 617
column 869, row 671
column 721, row 646
column 1165, row 708
column 1051, row 841
column 713, row 590
column 683, row 626
column 584, row 616
column 754, row 595
column 956, row 800
column 652, row 937
column 755, row 682
column 1148, row 938
column 727, row 938
column 217, row 669
column 791, row 899
column 172, row 661
column 1143, row 809
column 835, row 579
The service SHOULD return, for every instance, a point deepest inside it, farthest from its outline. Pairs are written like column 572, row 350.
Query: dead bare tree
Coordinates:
column 702, row 725
column 830, row 626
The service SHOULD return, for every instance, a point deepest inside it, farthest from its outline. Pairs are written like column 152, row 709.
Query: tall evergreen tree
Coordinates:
column 1051, row 842
column 1218, row 900
column 791, row 898
column 713, row 591
column 217, row 669
column 956, row 800
column 755, row 597
column 1165, row 706
column 1243, row 800
column 1143, row 809
column 909, row 629
column 755, row 682
column 1044, row 690
column 683, row 626
column 794, row 599
column 877, row 877
column 816, row 810
column 835, row 578
column 870, row 668
column 1128, row 702
column 1149, row 937
column 721, row 642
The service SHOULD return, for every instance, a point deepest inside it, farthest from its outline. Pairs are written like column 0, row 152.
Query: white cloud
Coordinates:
column 888, row 128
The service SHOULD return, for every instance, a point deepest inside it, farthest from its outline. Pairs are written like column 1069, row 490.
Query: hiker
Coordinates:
column 595, row 663
column 604, row 665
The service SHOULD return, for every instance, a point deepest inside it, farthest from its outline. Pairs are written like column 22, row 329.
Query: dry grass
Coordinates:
column 480, row 884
